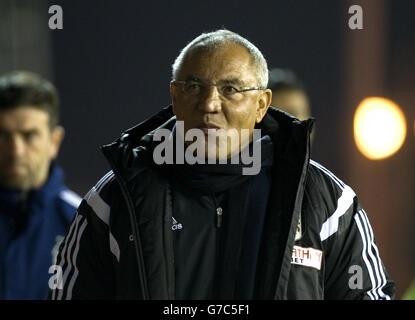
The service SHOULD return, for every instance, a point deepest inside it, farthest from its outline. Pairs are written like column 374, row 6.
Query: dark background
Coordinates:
column 112, row 65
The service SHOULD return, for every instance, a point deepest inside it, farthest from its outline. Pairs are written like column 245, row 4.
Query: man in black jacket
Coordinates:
column 215, row 197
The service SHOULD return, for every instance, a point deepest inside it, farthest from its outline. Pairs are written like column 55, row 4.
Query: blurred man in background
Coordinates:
column 36, row 208
column 289, row 94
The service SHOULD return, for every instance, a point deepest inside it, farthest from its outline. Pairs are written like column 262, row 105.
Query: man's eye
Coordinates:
column 229, row 90
column 193, row 87
column 29, row 135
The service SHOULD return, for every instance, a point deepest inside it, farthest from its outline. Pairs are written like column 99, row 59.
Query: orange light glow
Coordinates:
column 379, row 128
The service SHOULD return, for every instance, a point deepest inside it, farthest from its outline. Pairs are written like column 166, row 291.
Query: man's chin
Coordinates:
column 15, row 182
column 220, row 152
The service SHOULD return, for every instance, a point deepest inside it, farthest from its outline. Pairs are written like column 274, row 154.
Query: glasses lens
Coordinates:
column 226, row 91
column 193, row 88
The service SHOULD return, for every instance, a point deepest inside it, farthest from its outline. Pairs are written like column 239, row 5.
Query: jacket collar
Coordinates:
column 129, row 153
column 52, row 186
column 11, row 199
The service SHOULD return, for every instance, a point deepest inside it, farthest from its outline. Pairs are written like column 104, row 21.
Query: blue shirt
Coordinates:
column 31, row 230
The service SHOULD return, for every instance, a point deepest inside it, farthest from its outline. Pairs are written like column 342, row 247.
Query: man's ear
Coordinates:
column 173, row 95
column 57, row 135
column 263, row 103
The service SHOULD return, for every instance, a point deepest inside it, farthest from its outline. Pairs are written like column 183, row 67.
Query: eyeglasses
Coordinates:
column 229, row 91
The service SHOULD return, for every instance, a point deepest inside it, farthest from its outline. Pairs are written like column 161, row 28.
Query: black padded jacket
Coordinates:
column 317, row 242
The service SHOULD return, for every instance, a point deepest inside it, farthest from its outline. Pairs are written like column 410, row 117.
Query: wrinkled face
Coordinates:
column 27, row 146
column 213, row 108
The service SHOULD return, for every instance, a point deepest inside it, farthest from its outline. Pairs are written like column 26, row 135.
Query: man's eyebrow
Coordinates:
column 29, row 131
column 193, row 78
column 232, row 81
column 22, row 131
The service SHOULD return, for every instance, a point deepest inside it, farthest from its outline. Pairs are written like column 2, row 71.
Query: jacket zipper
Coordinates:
column 219, row 212
column 281, row 289
column 137, row 243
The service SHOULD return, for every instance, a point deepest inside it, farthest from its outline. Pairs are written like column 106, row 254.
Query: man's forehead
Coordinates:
column 25, row 117
column 224, row 63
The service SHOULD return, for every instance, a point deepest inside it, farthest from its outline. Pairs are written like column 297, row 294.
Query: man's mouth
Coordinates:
column 14, row 167
column 208, row 126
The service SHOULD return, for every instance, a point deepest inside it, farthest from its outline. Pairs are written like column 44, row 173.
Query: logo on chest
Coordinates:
column 307, row 257
column 176, row 225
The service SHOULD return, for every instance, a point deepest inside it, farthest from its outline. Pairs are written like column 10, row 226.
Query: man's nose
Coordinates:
column 211, row 100
column 16, row 146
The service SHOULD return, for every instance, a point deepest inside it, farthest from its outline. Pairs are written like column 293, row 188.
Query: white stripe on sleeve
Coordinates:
column 63, row 253
column 331, row 225
column 328, row 173
column 371, row 293
column 74, row 257
column 101, row 209
column 66, row 253
column 114, row 247
column 374, row 255
column 70, row 197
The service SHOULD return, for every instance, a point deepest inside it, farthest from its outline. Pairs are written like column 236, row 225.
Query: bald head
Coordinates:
column 218, row 40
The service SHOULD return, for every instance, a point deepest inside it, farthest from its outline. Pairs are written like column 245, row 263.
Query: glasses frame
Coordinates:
column 243, row 89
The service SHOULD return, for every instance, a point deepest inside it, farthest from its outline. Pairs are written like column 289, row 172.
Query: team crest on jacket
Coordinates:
column 298, row 231
column 307, row 257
